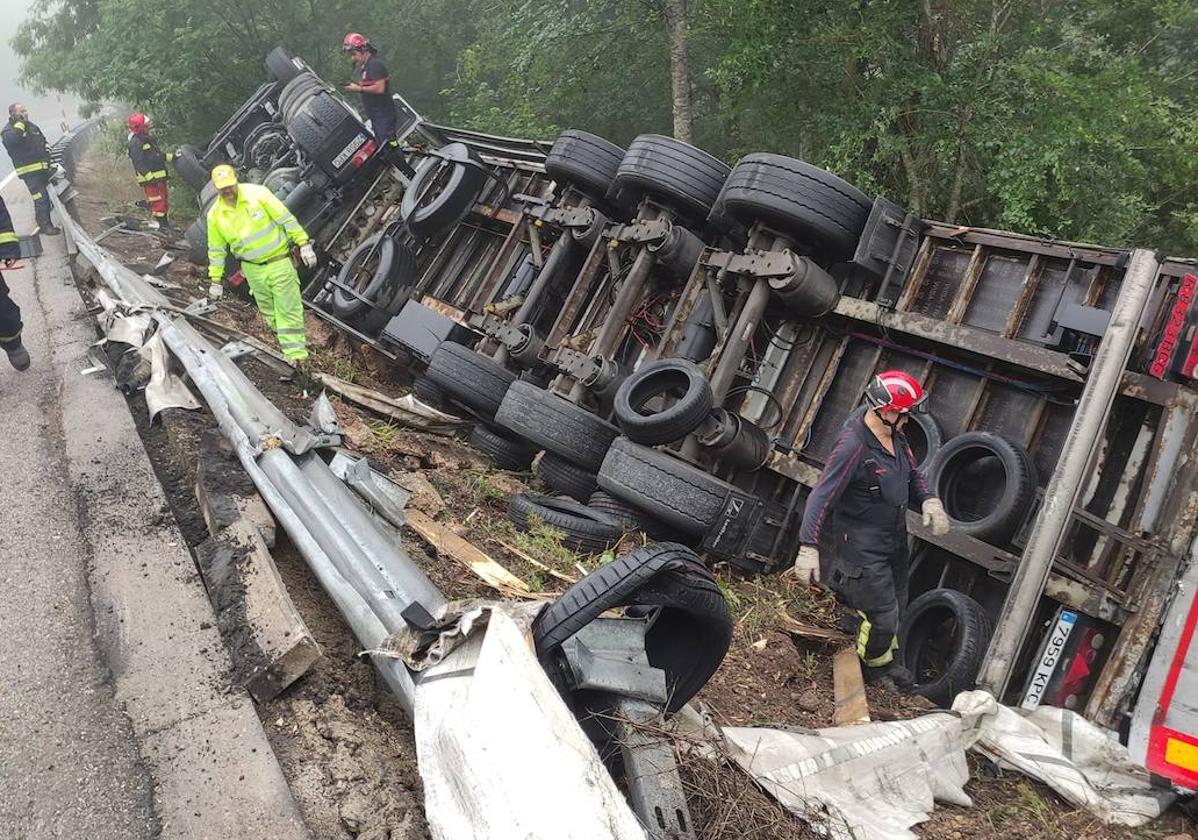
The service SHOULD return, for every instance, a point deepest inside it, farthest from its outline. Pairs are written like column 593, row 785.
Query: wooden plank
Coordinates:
column 969, row 283
column 268, row 641
column 446, row 542
column 1031, row 282
column 848, row 687
column 919, row 271
column 794, row 627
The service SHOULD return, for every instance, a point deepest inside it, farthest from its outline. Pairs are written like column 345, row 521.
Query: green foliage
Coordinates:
column 1069, row 120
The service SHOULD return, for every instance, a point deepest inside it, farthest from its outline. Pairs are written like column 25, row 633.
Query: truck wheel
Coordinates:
column 678, row 379
column 380, row 270
column 816, row 207
column 586, row 161
column 682, row 496
column 566, row 479
column 442, row 192
column 586, row 531
column 197, row 241
column 924, row 437
column 943, row 639
column 505, row 453
column 429, row 393
column 556, row 425
column 986, row 483
column 689, row 637
column 296, row 94
column 633, row 518
column 282, row 65
column 190, row 169
column 677, row 173
column 470, row 379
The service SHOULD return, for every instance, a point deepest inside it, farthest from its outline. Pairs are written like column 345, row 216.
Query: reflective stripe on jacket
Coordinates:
column 26, row 146
column 148, row 160
column 10, row 247
column 257, row 229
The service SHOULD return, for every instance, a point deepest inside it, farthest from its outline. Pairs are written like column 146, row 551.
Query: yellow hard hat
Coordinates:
column 223, row 176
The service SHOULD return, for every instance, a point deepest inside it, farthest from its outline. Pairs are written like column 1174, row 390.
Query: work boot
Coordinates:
column 18, row 356
column 892, row 675
column 49, row 229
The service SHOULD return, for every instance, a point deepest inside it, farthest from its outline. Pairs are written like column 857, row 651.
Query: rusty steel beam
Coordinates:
column 1026, row 244
column 1031, row 282
column 969, row 283
column 1060, row 497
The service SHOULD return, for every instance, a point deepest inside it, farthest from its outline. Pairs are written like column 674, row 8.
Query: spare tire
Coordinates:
column 429, row 392
column 585, row 531
column 565, row 478
column 924, row 437
column 819, row 209
column 442, row 191
column 505, row 453
column 633, row 518
column 586, row 161
column 687, row 639
column 682, row 496
column 470, row 379
column 190, row 168
column 296, row 94
column 943, row 638
column 676, row 378
column 556, row 425
column 381, row 270
column 986, row 483
column 283, row 65
column 676, row 173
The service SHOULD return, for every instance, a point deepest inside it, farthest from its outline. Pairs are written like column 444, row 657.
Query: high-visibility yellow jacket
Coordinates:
column 256, row 230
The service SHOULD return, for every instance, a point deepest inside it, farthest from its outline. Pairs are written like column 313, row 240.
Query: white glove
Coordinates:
column 806, row 567
column 215, row 290
column 307, row 255
column 934, row 517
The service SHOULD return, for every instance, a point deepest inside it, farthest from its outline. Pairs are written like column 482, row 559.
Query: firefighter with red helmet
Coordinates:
column 374, row 85
column 149, row 163
column 860, row 505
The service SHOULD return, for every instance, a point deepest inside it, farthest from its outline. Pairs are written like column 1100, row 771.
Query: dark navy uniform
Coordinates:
column 379, row 108
column 10, row 313
column 30, row 155
column 149, row 162
column 860, row 505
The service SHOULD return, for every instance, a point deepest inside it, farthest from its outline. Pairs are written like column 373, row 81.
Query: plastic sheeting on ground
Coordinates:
column 1086, row 765
column 501, row 755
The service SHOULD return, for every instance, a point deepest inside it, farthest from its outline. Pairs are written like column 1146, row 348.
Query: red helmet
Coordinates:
column 354, row 41
column 896, row 390
column 137, row 122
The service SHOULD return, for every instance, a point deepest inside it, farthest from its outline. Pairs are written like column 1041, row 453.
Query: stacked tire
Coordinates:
column 471, row 380
column 382, row 273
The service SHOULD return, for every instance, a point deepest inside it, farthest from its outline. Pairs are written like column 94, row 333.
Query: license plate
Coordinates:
column 1049, row 658
column 348, row 152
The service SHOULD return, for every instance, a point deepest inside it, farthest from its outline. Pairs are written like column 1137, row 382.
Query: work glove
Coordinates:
column 308, row 255
column 215, row 290
column 934, row 517
column 806, row 566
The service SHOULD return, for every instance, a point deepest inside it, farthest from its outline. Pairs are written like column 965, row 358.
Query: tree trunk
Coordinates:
column 674, row 12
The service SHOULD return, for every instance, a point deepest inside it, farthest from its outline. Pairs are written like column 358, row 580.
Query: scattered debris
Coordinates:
column 225, row 493
column 445, row 541
column 851, row 705
column 406, row 410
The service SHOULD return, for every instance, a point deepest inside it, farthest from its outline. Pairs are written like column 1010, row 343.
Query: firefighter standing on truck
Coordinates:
column 248, row 221
column 865, row 488
column 149, row 162
column 10, row 313
column 374, row 84
column 30, row 155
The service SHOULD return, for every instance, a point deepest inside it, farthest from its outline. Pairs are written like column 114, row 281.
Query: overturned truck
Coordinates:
column 682, row 340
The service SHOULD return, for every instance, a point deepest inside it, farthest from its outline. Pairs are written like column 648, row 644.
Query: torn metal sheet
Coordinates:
column 165, row 389
column 406, row 410
column 393, row 496
column 490, row 700
column 1086, row 765
column 323, row 418
column 132, row 329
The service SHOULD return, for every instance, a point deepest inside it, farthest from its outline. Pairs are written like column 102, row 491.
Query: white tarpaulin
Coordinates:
column 501, row 755
column 1084, row 764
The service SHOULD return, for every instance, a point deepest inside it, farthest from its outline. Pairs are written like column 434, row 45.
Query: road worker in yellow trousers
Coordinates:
column 248, row 221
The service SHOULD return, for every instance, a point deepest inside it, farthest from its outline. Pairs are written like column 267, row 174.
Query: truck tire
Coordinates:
column 585, row 531
column 197, row 241
column 677, row 378
column 566, row 479
column 816, row 207
column 556, row 425
column 924, row 437
column 429, row 392
column 689, row 637
column 633, row 518
column 677, row 173
column 585, row 161
column 387, row 276
column 468, row 378
column 282, row 65
column 943, row 638
column 681, row 496
column 190, row 169
column 986, row 483
column 504, row 453
column 296, row 94
column 436, row 200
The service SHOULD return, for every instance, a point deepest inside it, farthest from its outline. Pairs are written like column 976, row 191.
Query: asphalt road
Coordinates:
column 69, row 766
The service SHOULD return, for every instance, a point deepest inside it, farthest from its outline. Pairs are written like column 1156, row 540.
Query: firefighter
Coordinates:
column 10, row 313
column 149, row 164
column 865, row 488
column 374, row 84
column 248, row 221
column 30, row 155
